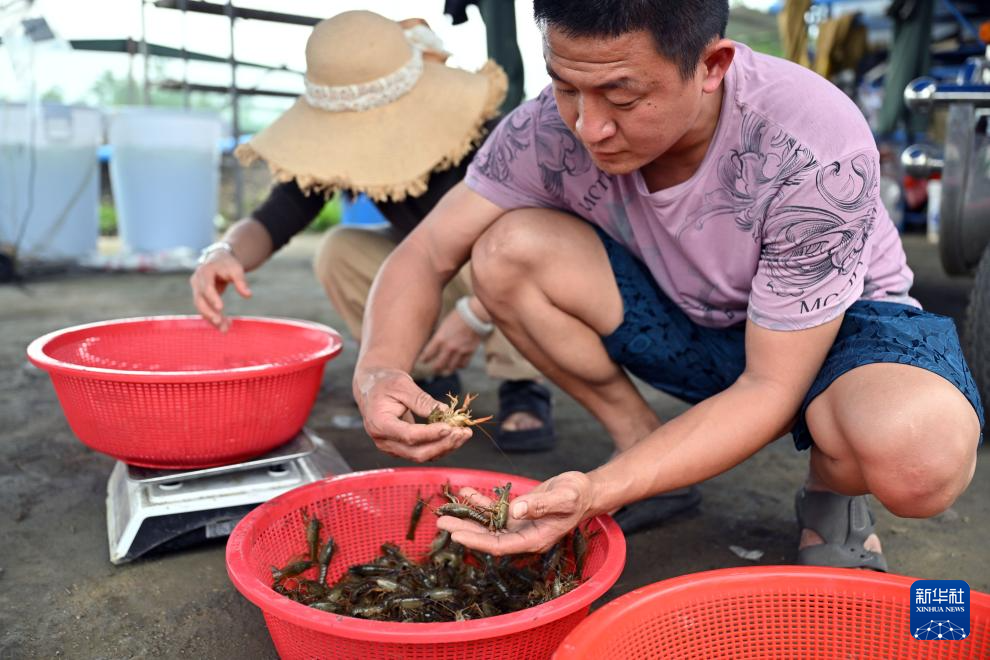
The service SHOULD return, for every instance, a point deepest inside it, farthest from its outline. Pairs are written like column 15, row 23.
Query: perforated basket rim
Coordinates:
column 280, row 607
column 748, row 579
column 36, row 353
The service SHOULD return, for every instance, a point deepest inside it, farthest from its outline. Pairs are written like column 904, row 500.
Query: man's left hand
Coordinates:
column 537, row 519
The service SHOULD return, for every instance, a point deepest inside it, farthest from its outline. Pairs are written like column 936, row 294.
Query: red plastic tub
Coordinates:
column 770, row 612
column 365, row 509
column 172, row 392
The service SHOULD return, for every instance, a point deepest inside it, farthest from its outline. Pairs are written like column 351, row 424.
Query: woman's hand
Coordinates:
column 210, row 280
column 451, row 346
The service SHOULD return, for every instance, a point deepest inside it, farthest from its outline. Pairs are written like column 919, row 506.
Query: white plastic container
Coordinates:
column 50, row 180
column 934, row 210
column 165, row 175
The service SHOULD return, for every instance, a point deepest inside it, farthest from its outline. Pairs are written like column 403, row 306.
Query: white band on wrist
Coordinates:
column 213, row 247
column 480, row 327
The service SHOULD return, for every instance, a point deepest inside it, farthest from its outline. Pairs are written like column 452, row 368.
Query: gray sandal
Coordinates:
column 844, row 523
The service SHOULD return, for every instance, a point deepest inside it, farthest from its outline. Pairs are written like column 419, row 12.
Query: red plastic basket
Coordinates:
column 770, row 612
column 172, row 392
column 365, row 509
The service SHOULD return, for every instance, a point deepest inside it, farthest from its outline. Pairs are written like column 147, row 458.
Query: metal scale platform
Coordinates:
column 160, row 510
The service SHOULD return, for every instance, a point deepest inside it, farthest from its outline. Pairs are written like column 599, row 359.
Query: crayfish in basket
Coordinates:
column 449, row 583
column 494, row 517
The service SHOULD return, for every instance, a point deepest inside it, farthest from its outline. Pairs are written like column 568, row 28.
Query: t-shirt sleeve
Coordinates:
column 816, row 244
column 287, row 211
column 505, row 171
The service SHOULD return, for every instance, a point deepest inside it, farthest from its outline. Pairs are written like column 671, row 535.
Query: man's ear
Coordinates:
column 715, row 62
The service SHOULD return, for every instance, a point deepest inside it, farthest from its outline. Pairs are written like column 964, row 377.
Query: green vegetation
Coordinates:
column 756, row 29
column 110, row 91
column 53, row 95
column 329, row 216
column 108, row 219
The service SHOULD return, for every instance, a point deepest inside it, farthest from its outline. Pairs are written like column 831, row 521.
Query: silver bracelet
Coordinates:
column 471, row 319
column 213, row 247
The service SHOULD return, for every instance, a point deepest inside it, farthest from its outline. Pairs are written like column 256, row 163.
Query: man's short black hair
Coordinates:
column 681, row 28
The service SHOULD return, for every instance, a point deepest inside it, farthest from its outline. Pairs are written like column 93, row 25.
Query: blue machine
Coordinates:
column 360, row 211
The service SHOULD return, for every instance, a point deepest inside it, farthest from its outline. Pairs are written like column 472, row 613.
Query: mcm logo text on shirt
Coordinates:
column 939, row 609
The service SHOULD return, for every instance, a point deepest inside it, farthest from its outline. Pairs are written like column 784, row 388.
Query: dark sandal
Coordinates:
column 844, row 523
column 525, row 396
column 652, row 511
column 439, row 387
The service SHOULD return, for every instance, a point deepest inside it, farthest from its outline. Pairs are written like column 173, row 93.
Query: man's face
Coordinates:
column 626, row 103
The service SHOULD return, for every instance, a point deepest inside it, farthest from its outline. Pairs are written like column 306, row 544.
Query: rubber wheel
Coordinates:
column 977, row 335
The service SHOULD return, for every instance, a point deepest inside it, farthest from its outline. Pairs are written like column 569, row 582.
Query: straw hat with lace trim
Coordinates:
column 377, row 117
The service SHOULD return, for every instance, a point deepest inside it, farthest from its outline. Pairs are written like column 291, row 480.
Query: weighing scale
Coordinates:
column 152, row 511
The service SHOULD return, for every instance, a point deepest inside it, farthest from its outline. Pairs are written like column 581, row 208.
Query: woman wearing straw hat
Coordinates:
column 381, row 115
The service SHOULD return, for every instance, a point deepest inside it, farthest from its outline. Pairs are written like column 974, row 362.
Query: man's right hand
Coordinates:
column 388, row 399
column 209, row 281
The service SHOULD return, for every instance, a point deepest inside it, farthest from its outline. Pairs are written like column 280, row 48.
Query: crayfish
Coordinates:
column 456, row 415
column 494, row 516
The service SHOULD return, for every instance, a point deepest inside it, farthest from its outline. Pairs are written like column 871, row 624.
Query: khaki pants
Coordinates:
column 346, row 264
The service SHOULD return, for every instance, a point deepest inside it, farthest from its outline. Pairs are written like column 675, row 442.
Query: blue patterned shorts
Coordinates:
column 659, row 344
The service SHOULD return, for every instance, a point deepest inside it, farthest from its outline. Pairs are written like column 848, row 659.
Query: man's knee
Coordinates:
column 928, row 457
column 539, row 259
column 508, row 249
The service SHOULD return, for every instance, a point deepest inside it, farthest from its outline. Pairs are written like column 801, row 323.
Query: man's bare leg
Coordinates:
column 902, row 433
column 546, row 279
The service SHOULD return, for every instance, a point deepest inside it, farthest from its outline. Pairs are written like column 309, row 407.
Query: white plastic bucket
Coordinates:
column 50, row 180
column 165, row 174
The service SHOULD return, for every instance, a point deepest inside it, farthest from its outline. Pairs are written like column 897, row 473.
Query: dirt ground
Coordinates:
column 61, row 597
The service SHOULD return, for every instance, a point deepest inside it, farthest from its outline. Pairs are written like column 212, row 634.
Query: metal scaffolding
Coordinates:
column 232, row 13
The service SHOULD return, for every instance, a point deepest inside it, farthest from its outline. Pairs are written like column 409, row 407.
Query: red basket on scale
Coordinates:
column 172, row 392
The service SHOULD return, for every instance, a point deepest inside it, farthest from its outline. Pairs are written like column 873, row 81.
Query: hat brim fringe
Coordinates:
column 497, row 87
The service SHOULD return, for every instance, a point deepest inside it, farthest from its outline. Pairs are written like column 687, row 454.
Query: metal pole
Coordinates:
column 146, row 95
column 131, row 85
column 185, row 58
column 235, row 119
column 922, row 94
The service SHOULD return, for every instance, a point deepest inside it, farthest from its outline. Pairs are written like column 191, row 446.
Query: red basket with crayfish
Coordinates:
column 363, row 510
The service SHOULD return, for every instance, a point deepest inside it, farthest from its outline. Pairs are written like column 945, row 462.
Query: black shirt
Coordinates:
column 288, row 210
